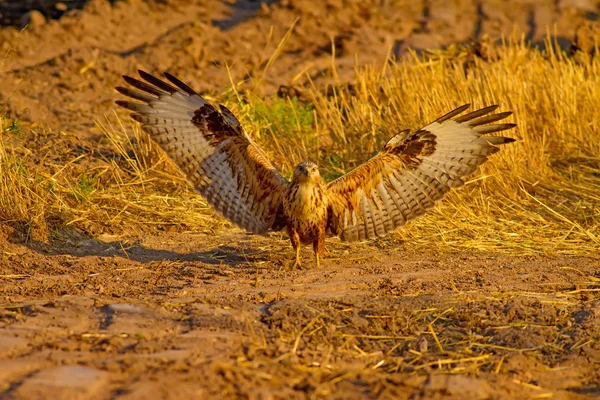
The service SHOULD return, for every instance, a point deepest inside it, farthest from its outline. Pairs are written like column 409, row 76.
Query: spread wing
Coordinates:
column 411, row 173
column 212, row 149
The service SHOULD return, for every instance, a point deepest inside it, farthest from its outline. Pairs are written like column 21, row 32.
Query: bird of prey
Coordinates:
column 408, row 176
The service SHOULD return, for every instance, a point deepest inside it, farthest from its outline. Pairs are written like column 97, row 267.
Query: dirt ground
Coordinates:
column 61, row 74
column 221, row 314
column 224, row 316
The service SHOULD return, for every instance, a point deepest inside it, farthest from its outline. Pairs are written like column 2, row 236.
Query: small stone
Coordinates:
column 10, row 343
column 33, row 19
column 14, row 370
column 162, row 390
column 127, row 308
column 66, row 382
column 461, row 386
column 422, row 346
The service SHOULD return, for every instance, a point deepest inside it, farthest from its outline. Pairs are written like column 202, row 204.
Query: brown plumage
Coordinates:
column 407, row 177
column 305, row 207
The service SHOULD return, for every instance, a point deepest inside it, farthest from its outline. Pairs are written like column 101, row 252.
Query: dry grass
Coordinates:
column 144, row 187
column 539, row 195
column 123, row 185
column 24, row 201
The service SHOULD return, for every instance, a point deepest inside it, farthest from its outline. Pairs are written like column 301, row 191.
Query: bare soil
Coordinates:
column 222, row 314
column 62, row 73
column 225, row 316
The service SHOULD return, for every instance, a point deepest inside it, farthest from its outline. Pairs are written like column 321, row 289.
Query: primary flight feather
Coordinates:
column 407, row 177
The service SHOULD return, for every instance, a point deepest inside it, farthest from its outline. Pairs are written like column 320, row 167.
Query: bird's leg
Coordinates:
column 295, row 239
column 297, row 264
column 319, row 246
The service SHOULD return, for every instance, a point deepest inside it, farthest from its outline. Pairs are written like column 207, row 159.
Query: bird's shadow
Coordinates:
column 237, row 254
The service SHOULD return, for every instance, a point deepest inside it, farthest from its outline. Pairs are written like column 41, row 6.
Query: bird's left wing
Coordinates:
column 411, row 173
column 212, row 149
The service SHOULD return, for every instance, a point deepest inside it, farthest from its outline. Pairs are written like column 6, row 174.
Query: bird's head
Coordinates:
column 306, row 172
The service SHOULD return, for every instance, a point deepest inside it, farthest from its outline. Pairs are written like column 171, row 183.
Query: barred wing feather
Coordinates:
column 411, row 173
column 211, row 148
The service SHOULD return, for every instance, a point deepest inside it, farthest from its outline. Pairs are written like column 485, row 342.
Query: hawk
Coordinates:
column 407, row 177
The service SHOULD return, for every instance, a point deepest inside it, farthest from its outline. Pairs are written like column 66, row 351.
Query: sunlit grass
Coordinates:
column 539, row 195
column 24, row 199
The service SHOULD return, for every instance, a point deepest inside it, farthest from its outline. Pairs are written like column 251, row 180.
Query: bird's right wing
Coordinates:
column 212, row 149
column 411, row 173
